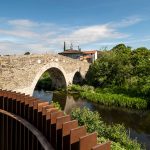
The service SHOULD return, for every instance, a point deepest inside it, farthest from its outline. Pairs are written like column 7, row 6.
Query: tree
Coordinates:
column 121, row 49
column 123, row 68
column 27, row 53
column 112, row 68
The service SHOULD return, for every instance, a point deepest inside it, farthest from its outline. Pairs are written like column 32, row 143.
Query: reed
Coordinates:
column 110, row 99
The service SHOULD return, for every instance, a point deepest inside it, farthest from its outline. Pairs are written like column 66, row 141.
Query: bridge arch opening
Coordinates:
column 52, row 79
column 77, row 79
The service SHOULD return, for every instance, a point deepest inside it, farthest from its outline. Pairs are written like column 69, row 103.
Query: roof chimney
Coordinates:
column 64, row 45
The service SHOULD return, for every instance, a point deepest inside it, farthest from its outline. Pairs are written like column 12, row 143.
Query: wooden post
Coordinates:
column 39, row 115
column 48, row 122
column 54, row 116
column 104, row 146
column 44, row 109
column 67, row 126
column 59, row 124
column 75, row 134
column 88, row 141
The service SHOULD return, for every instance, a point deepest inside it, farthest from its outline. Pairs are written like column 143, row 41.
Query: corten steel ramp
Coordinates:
column 27, row 123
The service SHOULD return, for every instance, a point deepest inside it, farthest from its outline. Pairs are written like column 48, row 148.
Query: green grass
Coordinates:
column 110, row 99
column 115, row 100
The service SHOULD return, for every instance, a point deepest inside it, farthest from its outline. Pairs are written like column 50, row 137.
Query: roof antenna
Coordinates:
column 79, row 49
column 71, row 46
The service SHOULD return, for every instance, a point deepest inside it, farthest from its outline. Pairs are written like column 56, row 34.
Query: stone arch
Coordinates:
column 77, row 78
column 59, row 77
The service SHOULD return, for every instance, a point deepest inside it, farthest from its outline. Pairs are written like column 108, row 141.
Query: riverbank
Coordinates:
column 135, row 122
column 109, row 99
column 115, row 133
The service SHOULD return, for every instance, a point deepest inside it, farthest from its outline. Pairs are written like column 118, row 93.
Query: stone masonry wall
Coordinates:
column 19, row 72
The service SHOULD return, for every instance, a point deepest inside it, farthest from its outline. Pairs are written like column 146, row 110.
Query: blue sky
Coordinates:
column 41, row 26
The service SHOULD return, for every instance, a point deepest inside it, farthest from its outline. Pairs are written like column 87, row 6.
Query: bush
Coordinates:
column 56, row 105
column 116, row 133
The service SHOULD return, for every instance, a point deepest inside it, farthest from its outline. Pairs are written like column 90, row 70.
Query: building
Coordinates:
column 75, row 54
column 89, row 56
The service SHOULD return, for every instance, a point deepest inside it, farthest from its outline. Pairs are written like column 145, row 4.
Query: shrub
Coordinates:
column 116, row 133
column 56, row 105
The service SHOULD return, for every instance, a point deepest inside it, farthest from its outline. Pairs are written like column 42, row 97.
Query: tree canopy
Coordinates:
column 27, row 53
column 123, row 67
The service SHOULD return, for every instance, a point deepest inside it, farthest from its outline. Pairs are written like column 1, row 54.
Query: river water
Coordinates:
column 137, row 123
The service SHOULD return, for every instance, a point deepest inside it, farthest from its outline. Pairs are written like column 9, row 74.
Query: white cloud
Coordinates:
column 22, row 23
column 19, row 33
column 129, row 21
column 86, row 35
column 7, row 47
column 132, row 41
column 23, row 35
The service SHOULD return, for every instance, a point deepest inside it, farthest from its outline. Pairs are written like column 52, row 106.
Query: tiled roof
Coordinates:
column 89, row 52
column 69, row 51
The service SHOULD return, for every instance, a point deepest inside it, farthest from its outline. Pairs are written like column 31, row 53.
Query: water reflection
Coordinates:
column 43, row 95
column 67, row 102
column 136, row 122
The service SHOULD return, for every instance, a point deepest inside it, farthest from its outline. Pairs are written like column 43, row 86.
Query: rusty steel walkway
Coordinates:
column 27, row 123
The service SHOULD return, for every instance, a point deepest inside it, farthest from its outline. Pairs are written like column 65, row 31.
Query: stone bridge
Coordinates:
column 21, row 73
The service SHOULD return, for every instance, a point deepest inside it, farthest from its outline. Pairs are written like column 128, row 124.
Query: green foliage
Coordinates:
column 56, row 105
column 123, row 68
column 116, row 133
column 45, row 75
column 112, row 68
column 44, row 82
column 109, row 99
column 121, row 49
column 74, row 87
column 80, row 88
column 107, row 96
column 88, row 118
column 27, row 53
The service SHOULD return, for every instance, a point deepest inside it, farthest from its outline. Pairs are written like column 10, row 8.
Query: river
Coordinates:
column 137, row 123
